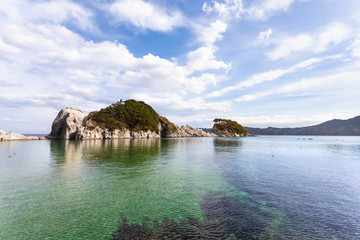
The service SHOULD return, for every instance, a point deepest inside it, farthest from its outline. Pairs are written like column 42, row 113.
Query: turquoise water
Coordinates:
column 275, row 187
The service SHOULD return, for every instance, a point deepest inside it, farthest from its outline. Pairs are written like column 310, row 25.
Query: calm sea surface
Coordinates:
column 276, row 187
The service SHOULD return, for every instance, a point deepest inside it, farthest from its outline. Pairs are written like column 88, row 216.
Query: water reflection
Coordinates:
column 139, row 177
column 227, row 144
column 104, row 151
column 239, row 188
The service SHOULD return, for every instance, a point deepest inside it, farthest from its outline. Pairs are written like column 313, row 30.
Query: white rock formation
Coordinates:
column 68, row 124
column 16, row 136
column 188, row 131
column 74, row 124
column 2, row 132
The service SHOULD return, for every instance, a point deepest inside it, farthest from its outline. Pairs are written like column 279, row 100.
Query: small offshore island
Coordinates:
column 124, row 120
column 138, row 120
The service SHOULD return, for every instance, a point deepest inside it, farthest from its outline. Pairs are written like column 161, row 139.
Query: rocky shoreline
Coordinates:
column 74, row 124
column 13, row 136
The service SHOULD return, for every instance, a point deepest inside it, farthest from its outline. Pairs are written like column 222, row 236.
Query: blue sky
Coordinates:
column 282, row 63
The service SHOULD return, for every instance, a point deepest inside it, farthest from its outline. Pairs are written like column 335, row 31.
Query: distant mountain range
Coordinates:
column 335, row 127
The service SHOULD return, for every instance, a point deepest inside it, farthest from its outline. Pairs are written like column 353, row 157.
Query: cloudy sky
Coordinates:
column 261, row 62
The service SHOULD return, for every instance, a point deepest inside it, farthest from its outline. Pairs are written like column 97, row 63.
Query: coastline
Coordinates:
column 36, row 138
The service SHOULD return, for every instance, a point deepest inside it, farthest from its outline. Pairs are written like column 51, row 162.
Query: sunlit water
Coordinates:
column 278, row 187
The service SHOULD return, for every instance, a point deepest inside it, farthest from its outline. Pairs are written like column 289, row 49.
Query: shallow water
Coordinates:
column 274, row 187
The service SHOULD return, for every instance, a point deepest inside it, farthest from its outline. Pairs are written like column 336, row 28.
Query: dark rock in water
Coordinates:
column 224, row 218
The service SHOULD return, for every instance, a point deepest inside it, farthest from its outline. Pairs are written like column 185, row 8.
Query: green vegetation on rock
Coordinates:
column 167, row 126
column 230, row 126
column 129, row 114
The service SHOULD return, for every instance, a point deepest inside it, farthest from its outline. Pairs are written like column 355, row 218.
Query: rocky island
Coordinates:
column 16, row 136
column 125, row 119
column 131, row 119
column 228, row 128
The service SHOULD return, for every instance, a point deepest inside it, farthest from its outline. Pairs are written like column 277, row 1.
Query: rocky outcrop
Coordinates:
column 110, row 123
column 68, row 124
column 228, row 128
column 74, row 124
column 16, row 136
column 187, row 131
column 2, row 132
column 226, row 133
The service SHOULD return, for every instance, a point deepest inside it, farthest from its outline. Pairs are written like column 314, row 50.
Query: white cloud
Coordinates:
column 285, row 47
column 354, row 47
column 201, row 82
column 211, row 34
column 227, row 9
column 203, row 58
column 334, row 33
column 265, row 35
column 146, row 15
column 271, row 75
column 265, row 8
column 184, row 107
column 258, row 10
column 330, row 84
column 56, row 67
column 60, row 12
column 289, row 120
column 48, row 12
column 11, row 119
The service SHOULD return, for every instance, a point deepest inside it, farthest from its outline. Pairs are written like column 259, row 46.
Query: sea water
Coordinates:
column 273, row 187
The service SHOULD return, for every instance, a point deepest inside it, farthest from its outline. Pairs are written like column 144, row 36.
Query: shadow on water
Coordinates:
column 224, row 218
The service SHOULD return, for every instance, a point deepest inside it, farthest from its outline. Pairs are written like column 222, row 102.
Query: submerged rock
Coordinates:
column 225, row 218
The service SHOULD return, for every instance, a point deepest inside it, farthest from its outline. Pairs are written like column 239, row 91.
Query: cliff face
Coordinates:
column 68, row 124
column 74, row 124
column 131, row 119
